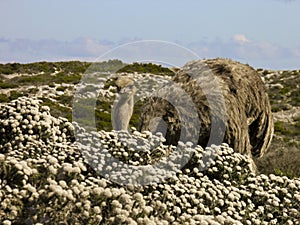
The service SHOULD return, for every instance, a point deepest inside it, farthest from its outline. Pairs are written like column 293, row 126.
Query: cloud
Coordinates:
column 26, row 50
column 256, row 53
column 286, row 1
column 240, row 38
column 239, row 47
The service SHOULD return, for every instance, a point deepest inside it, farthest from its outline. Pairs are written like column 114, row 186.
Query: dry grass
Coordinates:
column 283, row 158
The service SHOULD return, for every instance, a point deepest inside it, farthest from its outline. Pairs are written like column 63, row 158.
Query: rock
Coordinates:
column 248, row 124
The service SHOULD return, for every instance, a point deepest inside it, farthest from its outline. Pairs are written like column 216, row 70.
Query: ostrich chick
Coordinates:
column 123, row 107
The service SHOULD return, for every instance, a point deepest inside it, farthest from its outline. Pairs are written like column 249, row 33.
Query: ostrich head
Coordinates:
column 123, row 82
column 125, row 87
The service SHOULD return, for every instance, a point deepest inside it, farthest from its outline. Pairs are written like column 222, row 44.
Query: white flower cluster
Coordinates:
column 120, row 156
column 57, row 186
column 24, row 122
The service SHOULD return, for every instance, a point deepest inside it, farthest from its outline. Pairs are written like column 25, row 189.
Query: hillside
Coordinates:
column 54, row 84
column 47, row 179
column 284, row 154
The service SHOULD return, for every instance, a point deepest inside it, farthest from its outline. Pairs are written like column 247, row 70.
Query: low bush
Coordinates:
column 4, row 98
column 6, row 85
column 57, row 110
column 45, row 178
column 15, row 94
column 146, row 68
column 61, row 88
column 65, row 100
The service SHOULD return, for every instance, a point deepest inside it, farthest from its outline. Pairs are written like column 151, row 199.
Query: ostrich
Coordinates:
column 249, row 125
column 123, row 107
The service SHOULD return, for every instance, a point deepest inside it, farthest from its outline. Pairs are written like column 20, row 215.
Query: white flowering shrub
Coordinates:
column 44, row 179
column 24, row 121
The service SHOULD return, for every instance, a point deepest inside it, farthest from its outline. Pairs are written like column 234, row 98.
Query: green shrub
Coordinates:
column 266, row 72
column 9, row 68
column 67, row 78
column 276, row 108
column 52, row 85
column 281, row 159
column 73, row 66
column 281, row 172
column 46, row 67
column 103, row 120
column 146, row 68
column 7, row 85
column 61, row 88
column 106, row 66
column 278, row 127
column 65, row 100
column 33, row 90
column 285, row 90
column 57, row 110
column 32, row 80
column 4, row 98
column 14, row 95
column 287, row 129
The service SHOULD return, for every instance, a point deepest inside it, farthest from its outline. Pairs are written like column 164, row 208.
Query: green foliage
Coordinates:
column 65, row 100
column 33, row 90
column 106, row 66
column 295, row 97
column 58, row 110
column 4, row 98
column 61, row 88
column 146, row 68
column 69, row 79
column 281, row 172
column 279, row 127
column 42, row 73
column 110, row 82
column 41, row 79
column 32, row 80
column 73, row 66
column 45, row 67
column 14, row 95
column 286, row 129
column 9, row 68
column 103, row 120
column 52, row 85
column 135, row 119
column 4, row 85
column 103, row 115
column 285, row 90
column 289, row 94
column 283, row 159
column 265, row 72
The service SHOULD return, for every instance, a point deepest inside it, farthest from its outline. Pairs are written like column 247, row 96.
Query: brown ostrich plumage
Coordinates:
column 248, row 120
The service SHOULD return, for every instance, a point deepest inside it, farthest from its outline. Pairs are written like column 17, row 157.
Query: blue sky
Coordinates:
column 261, row 33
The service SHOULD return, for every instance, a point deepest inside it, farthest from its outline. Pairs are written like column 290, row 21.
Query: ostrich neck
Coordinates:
column 126, row 99
column 123, row 112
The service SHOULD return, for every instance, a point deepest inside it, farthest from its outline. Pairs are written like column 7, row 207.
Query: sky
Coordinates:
column 261, row 33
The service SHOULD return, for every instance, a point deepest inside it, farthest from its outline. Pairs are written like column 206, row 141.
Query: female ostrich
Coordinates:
column 249, row 123
column 123, row 107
